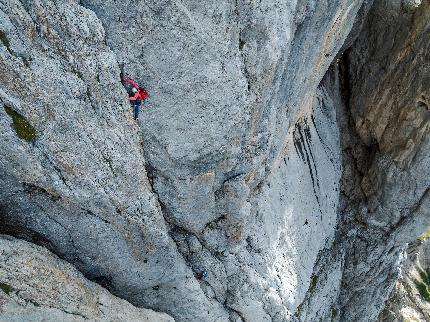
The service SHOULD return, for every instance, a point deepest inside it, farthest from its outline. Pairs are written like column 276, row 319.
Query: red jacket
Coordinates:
column 140, row 95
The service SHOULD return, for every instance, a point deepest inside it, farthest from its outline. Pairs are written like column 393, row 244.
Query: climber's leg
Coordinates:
column 136, row 109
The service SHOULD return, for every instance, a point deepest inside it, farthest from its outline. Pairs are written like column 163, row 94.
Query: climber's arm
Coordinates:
column 134, row 97
column 132, row 82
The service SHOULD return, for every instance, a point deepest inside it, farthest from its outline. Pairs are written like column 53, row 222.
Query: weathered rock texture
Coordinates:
column 38, row 286
column 410, row 299
column 386, row 87
column 292, row 189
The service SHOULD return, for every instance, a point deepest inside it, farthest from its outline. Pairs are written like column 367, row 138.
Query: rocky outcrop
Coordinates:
column 38, row 286
column 386, row 87
column 410, row 298
column 291, row 183
column 217, row 135
column 79, row 186
column 393, row 73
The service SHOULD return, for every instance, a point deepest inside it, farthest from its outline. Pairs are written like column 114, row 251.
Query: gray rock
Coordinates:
column 387, row 86
column 409, row 300
column 38, row 286
column 291, row 184
column 80, row 188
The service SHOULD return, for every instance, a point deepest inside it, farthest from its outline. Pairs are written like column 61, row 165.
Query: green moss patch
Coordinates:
column 211, row 225
column 423, row 285
column 26, row 61
column 314, row 281
column 424, row 291
column 6, row 288
column 425, row 235
column 241, row 44
column 333, row 314
column 424, row 276
column 24, row 130
column 220, row 253
column 5, row 41
column 214, row 224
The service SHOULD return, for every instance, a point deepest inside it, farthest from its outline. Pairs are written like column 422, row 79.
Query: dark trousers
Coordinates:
column 136, row 108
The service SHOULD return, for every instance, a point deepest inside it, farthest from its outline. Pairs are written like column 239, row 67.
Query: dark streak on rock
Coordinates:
column 321, row 103
column 308, row 137
column 34, row 189
column 21, row 232
column 298, row 143
column 300, row 146
column 89, row 212
column 104, row 281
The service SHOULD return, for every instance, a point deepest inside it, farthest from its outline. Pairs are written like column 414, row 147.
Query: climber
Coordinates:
column 203, row 274
column 136, row 95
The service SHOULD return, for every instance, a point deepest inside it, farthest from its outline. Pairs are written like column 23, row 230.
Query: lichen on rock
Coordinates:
column 23, row 129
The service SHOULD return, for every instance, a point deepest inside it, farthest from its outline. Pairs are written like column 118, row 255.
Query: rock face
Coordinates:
column 284, row 150
column 79, row 185
column 387, row 86
column 410, row 298
column 38, row 286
